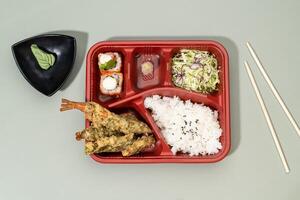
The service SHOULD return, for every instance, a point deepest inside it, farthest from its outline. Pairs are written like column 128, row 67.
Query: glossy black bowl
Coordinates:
column 46, row 81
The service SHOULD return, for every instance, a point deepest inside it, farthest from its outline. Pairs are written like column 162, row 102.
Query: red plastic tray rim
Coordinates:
column 177, row 44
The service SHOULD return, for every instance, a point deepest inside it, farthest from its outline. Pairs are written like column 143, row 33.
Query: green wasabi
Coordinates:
column 44, row 59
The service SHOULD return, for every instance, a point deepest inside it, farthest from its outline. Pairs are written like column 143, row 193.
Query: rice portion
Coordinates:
column 187, row 127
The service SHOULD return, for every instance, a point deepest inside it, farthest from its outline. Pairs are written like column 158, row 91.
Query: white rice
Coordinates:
column 187, row 127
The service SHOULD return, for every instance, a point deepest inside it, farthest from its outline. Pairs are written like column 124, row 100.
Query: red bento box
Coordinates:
column 135, row 89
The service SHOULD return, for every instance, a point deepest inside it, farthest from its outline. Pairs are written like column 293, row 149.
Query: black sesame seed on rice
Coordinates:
column 190, row 125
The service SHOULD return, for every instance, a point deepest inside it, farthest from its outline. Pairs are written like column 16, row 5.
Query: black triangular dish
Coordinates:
column 46, row 81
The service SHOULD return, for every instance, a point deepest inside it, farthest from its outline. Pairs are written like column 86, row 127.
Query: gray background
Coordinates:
column 39, row 156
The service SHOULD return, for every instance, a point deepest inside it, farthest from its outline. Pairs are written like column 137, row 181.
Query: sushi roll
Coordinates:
column 109, row 62
column 111, row 83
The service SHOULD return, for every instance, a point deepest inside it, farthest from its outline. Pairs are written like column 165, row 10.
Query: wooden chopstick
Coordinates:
column 275, row 92
column 269, row 121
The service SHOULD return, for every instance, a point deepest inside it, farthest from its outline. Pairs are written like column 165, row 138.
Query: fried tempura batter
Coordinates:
column 138, row 145
column 110, row 132
column 109, row 144
column 92, row 134
column 100, row 116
